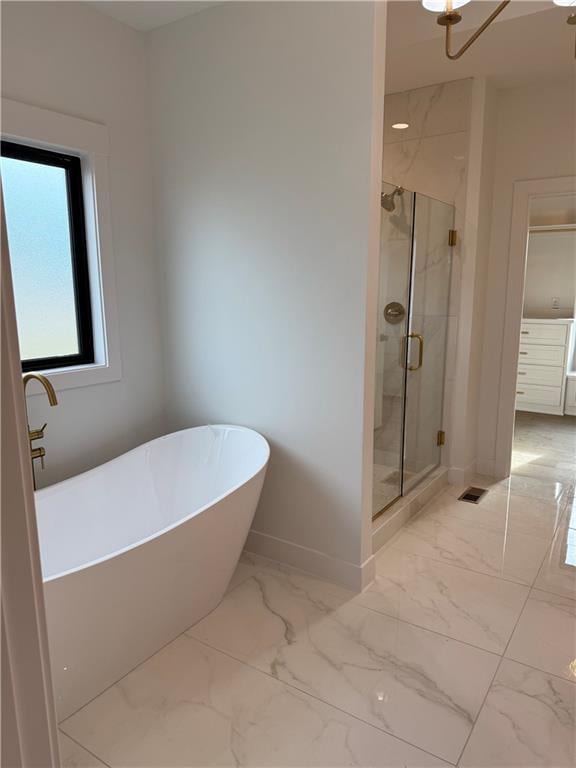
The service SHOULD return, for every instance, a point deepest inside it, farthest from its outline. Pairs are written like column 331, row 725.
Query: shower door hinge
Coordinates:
column 440, row 437
column 452, row 237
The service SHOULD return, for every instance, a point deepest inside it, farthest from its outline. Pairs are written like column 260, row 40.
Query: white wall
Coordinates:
column 535, row 132
column 69, row 58
column 550, row 273
column 263, row 119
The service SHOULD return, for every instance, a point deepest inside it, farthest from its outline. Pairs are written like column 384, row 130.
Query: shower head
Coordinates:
column 387, row 201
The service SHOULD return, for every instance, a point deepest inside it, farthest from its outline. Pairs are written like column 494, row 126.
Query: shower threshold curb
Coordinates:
column 399, row 513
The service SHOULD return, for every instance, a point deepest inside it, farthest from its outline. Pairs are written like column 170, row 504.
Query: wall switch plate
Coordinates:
column 555, row 302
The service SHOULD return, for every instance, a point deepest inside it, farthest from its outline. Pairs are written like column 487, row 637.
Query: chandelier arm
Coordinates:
column 476, row 34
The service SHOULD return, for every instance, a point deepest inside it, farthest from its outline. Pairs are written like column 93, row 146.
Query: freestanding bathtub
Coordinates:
column 136, row 551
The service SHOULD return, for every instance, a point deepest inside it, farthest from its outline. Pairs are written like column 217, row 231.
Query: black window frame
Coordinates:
column 72, row 165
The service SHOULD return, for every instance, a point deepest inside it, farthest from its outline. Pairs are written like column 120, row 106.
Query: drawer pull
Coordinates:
column 526, row 333
column 520, row 393
column 523, row 353
column 521, row 373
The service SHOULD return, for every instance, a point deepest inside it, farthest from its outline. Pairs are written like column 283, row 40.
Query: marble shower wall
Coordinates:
column 430, row 157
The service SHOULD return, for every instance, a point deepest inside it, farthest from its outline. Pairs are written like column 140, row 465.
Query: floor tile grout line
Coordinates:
column 405, row 621
column 541, row 671
column 79, row 744
column 427, row 629
column 502, row 657
column 186, row 634
column 439, row 515
column 459, row 567
column 141, row 663
column 259, row 568
column 471, row 570
column 554, row 594
column 317, row 698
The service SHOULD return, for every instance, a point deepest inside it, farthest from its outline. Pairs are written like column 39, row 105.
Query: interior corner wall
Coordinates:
column 70, row 58
column 262, row 140
column 536, row 125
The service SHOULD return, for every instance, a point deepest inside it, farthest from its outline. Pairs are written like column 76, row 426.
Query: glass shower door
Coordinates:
column 427, row 332
column 392, row 323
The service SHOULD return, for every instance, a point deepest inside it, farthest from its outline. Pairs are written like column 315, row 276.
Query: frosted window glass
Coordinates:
column 37, row 223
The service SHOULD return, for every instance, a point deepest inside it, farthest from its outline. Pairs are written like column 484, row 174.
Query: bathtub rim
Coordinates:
column 168, row 528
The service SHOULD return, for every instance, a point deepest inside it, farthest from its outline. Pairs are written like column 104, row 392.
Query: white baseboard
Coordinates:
column 354, row 577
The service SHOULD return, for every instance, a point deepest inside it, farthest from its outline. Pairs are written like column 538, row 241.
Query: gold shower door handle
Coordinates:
column 420, row 350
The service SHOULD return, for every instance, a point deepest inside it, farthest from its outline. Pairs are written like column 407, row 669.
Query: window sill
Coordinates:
column 81, row 376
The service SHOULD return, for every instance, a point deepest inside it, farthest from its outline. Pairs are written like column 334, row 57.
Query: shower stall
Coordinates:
column 413, row 308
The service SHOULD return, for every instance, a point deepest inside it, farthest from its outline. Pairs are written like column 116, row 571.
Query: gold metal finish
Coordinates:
column 420, row 350
column 451, row 17
column 441, row 437
column 452, row 237
column 38, row 453
column 38, row 434
column 51, row 394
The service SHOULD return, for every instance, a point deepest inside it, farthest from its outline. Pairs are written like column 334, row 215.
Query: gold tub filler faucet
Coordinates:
column 38, row 434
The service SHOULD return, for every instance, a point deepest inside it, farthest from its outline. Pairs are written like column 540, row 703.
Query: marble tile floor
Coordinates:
column 462, row 652
column 544, row 446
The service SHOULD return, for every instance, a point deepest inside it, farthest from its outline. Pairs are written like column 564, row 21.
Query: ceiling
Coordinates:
column 145, row 16
column 529, row 41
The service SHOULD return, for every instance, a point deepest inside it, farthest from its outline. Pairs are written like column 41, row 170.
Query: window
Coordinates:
column 44, row 210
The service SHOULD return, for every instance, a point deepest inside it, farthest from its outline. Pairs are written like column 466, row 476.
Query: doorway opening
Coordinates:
column 544, row 444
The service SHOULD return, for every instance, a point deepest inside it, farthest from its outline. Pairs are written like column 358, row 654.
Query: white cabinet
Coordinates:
column 545, row 348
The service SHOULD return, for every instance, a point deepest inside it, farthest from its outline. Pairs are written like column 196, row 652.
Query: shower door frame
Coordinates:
column 406, row 350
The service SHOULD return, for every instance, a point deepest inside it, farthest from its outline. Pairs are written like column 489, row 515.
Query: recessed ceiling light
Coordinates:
column 401, row 126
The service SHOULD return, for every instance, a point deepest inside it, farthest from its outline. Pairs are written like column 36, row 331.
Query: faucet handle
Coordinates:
column 38, row 453
column 36, row 434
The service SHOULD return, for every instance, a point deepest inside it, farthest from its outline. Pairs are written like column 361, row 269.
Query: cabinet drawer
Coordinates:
column 547, row 375
column 541, row 354
column 538, row 395
column 541, row 333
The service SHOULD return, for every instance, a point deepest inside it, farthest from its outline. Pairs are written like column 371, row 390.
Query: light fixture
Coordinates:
column 401, row 126
column 448, row 16
column 441, row 6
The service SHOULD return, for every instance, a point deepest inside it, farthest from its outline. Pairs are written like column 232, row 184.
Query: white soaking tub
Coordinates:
column 137, row 550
